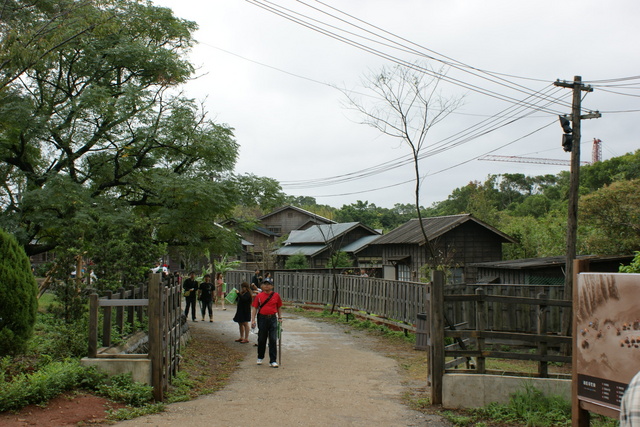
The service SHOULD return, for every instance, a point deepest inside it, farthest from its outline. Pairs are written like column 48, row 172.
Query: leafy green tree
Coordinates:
column 537, row 237
column 363, row 212
column 622, row 168
column 296, row 262
column 612, row 218
column 339, row 259
column 94, row 134
column 18, row 296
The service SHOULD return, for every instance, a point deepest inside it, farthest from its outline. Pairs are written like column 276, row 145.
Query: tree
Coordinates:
column 18, row 296
column 296, row 262
column 611, row 218
column 339, row 259
column 94, row 134
column 406, row 104
column 634, row 267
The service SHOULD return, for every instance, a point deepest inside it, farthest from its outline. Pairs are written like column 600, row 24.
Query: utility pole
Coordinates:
column 574, row 184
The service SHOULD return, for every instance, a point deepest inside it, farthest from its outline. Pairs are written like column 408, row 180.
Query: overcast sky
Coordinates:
column 273, row 81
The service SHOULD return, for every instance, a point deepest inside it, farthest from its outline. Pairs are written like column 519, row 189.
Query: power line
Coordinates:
column 293, row 16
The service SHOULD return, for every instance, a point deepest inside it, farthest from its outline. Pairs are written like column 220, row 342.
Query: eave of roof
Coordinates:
column 303, row 211
column 307, row 250
column 552, row 261
column 358, row 245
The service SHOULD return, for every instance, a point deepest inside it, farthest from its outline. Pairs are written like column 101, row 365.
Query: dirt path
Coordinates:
column 327, row 377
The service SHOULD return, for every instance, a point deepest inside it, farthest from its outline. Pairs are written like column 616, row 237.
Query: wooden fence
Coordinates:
column 389, row 299
column 404, row 301
column 161, row 301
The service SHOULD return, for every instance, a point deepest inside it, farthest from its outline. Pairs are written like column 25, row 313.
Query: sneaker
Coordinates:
column 259, row 362
column 273, row 364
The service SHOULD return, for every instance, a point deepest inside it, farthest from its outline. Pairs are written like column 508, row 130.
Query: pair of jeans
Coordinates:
column 268, row 330
column 207, row 305
column 191, row 302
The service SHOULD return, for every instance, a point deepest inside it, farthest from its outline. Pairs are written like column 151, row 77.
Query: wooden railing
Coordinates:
column 512, row 316
column 163, row 311
column 479, row 337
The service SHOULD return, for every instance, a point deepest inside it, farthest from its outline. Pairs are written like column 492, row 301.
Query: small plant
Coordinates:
column 531, row 407
column 458, row 419
column 130, row 413
column 180, row 388
column 123, row 389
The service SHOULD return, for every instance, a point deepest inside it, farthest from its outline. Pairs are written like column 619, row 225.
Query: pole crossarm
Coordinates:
column 573, row 85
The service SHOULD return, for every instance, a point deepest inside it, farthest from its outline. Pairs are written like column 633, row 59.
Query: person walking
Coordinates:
column 243, row 312
column 190, row 288
column 255, row 280
column 205, row 295
column 220, row 289
column 266, row 307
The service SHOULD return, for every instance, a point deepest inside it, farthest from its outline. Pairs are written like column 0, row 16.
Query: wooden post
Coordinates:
column 579, row 417
column 436, row 353
column 543, row 368
column 155, row 335
column 120, row 313
column 131, row 309
column 93, row 325
column 140, row 309
column 106, row 323
column 481, row 327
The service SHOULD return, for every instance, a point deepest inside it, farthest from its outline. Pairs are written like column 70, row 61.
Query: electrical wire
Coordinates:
column 294, row 17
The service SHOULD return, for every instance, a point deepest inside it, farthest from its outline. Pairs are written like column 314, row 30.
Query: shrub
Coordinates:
column 18, row 296
column 296, row 262
column 634, row 267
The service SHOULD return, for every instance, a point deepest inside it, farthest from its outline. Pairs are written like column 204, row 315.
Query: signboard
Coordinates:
column 608, row 336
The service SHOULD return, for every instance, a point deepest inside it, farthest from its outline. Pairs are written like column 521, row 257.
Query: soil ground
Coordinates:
column 69, row 409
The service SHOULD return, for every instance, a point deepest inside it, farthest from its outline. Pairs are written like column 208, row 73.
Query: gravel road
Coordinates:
column 327, row 378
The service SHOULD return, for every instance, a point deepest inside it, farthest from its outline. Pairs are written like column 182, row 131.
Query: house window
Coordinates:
column 275, row 229
column 403, row 272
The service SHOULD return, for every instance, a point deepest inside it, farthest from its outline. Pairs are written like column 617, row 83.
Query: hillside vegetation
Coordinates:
column 532, row 209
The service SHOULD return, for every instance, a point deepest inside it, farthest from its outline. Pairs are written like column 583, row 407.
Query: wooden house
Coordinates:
column 319, row 242
column 457, row 240
column 261, row 237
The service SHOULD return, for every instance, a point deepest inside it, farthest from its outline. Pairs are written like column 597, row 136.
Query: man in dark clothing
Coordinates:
column 266, row 307
column 255, row 280
column 205, row 292
column 190, row 288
